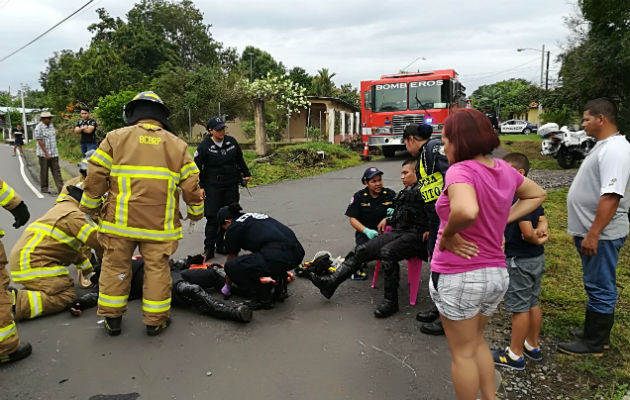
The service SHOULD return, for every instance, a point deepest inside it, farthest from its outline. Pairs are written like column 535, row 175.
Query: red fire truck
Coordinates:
column 389, row 104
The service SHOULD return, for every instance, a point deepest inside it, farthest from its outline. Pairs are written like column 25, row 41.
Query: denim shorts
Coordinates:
column 525, row 282
column 464, row 295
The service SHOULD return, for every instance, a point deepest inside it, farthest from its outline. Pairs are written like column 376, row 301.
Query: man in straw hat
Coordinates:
column 46, row 137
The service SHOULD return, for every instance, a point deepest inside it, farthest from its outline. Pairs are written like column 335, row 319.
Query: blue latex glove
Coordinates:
column 370, row 233
column 390, row 212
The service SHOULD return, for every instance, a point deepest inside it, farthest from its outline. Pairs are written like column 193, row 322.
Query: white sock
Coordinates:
column 512, row 355
column 529, row 347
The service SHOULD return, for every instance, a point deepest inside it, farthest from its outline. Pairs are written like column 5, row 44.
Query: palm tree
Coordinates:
column 323, row 85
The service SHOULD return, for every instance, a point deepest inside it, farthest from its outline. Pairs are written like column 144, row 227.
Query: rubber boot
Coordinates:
column 88, row 300
column 24, row 350
column 327, row 284
column 597, row 328
column 154, row 330
column 208, row 305
column 389, row 306
column 113, row 326
column 579, row 333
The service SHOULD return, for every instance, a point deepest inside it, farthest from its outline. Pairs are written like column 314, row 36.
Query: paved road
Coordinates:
column 306, row 348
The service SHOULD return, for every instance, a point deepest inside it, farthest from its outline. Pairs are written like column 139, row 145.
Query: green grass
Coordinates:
column 529, row 145
column 563, row 300
column 297, row 161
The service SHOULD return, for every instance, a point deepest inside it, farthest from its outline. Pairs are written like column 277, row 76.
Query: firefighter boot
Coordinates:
column 327, row 284
column 389, row 306
column 154, row 330
column 597, row 328
column 207, row 305
column 113, row 325
column 24, row 350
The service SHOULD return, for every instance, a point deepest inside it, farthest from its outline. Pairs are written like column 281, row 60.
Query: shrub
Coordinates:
column 110, row 109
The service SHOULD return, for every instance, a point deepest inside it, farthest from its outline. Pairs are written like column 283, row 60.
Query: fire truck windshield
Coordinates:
column 390, row 97
column 432, row 94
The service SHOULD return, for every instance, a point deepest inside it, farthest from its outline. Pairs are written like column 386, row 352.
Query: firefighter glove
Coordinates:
column 21, row 215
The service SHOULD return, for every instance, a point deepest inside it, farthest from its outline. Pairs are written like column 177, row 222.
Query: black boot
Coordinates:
column 428, row 316
column 327, row 284
column 208, row 305
column 389, row 306
column 113, row 326
column 24, row 350
column 433, row 328
column 596, row 334
column 154, row 330
column 88, row 300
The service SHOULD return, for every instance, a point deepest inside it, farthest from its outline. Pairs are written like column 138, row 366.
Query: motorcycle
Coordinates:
column 566, row 146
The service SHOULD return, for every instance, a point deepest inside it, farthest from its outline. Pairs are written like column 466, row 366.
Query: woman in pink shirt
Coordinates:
column 468, row 269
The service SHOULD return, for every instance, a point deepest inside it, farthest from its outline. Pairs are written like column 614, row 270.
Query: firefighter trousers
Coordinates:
column 115, row 280
column 44, row 296
column 8, row 332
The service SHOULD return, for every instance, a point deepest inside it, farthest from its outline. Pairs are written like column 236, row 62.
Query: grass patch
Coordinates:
column 297, row 161
column 530, row 146
column 563, row 300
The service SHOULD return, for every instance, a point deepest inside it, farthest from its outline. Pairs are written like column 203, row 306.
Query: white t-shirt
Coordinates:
column 605, row 170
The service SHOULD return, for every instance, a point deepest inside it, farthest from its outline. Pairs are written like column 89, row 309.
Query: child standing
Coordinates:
column 526, row 264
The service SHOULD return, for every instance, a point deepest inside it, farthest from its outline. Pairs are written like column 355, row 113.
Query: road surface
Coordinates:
column 305, row 348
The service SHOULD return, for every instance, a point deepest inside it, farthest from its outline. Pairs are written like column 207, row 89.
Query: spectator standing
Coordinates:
column 86, row 127
column 492, row 117
column 525, row 258
column 468, row 274
column 597, row 205
column 18, row 139
column 47, row 152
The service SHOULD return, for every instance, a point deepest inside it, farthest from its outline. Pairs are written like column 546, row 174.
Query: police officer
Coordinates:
column 220, row 160
column 10, row 347
column 274, row 250
column 406, row 239
column 39, row 259
column 430, row 170
column 367, row 208
column 142, row 167
column 492, row 117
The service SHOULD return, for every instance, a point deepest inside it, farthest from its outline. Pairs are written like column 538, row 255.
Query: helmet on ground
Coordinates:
column 147, row 97
column 75, row 191
column 548, row 128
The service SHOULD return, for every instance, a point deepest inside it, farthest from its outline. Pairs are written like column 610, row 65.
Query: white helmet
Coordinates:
column 546, row 129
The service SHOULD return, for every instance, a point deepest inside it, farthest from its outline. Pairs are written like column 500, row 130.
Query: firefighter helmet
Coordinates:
column 147, row 96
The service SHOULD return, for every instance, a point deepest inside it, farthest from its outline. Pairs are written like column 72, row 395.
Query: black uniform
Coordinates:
column 88, row 140
column 19, row 138
column 493, row 119
column 221, row 168
column 274, row 250
column 369, row 210
column 430, row 170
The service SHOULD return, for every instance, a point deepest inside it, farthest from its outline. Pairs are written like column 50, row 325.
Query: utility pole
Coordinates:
column 189, row 126
column 542, row 65
column 24, row 114
column 547, row 73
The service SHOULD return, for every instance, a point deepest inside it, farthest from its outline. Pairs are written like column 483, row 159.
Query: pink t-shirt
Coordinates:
column 495, row 188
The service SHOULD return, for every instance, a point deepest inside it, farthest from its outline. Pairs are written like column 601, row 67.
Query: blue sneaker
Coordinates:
column 503, row 359
column 533, row 354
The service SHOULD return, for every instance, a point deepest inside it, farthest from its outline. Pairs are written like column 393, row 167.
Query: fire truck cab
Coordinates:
column 389, row 104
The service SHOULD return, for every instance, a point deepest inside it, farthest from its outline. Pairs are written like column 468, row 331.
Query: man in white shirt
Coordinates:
column 597, row 206
column 46, row 137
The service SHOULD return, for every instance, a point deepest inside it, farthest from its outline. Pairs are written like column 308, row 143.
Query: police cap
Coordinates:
column 215, row 124
column 370, row 173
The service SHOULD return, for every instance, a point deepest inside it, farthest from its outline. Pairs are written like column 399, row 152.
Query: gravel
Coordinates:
column 552, row 179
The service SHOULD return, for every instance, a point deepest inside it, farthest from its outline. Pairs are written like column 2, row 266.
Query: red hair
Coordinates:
column 470, row 133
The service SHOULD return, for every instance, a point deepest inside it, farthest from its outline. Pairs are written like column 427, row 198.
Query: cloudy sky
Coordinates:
column 358, row 40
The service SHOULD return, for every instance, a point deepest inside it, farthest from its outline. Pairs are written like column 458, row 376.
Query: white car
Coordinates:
column 517, row 126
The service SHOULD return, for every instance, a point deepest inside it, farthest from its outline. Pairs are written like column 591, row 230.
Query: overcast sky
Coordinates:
column 358, row 40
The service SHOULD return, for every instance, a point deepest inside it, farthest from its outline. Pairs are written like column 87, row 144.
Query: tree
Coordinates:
column 323, row 85
column 596, row 61
column 514, row 96
column 288, row 96
column 260, row 63
column 301, row 77
column 110, row 108
column 349, row 94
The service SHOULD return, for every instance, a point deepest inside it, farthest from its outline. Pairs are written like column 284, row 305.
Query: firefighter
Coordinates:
column 184, row 292
column 367, row 208
column 82, row 165
column 11, row 349
column 406, row 239
column 274, row 251
column 142, row 167
column 430, row 170
column 220, row 160
column 61, row 237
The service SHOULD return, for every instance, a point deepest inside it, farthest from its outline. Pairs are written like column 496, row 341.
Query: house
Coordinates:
column 532, row 114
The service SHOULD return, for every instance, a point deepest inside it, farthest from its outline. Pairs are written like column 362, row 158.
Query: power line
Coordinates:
column 489, row 74
column 47, row 31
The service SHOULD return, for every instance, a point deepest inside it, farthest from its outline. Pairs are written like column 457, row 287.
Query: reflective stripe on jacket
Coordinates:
column 9, row 199
column 142, row 167
column 60, row 238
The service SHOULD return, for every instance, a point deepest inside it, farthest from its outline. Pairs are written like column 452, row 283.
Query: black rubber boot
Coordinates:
column 88, row 300
column 389, row 306
column 113, row 326
column 154, row 330
column 327, row 284
column 208, row 305
column 428, row 316
column 433, row 328
column 596, row 333
column 24, row 350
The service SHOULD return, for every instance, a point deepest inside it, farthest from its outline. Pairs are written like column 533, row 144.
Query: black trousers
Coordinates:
column 274, row 261
column 395, row 246
column 434, row 226
column 216, row 197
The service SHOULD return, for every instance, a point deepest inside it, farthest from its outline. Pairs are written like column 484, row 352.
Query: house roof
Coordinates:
column 335, row 100
column 27, row 110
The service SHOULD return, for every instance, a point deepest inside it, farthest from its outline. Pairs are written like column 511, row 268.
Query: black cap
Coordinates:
column 370, row 173
column 223, row 214
column 215, row 124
